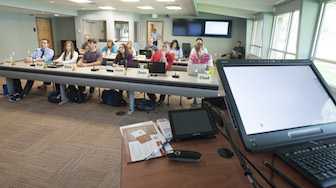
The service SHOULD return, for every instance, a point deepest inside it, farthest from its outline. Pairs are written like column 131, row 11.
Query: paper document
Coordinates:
column 140, row 139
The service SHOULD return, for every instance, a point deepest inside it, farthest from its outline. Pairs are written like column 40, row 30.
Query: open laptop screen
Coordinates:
column 270, row 98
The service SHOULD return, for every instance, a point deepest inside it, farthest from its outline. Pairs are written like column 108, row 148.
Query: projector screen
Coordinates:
column 216, row 28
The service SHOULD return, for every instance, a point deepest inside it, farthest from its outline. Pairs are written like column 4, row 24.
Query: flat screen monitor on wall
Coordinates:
column 217, row 28
column 197, row 27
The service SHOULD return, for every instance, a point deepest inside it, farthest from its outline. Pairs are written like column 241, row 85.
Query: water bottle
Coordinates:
column 125, row 64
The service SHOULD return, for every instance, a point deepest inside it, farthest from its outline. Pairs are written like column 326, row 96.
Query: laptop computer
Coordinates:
column 157, row 67
column 148, row 53
column 195, row 69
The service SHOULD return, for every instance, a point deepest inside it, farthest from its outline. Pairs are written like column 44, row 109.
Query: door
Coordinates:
column 44, row 31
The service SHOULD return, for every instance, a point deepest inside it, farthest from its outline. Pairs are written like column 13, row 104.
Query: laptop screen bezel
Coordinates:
column 274, row 139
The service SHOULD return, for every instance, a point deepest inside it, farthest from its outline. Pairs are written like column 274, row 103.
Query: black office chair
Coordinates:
column 186, row 49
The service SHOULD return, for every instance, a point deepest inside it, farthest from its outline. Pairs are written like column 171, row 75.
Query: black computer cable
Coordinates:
column 232, row 143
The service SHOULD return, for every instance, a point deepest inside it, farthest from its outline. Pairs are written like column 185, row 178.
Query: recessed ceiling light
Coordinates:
column 174, row 7
column 81, row 1
column 130, row 0
column 165, row 0
column 107, row 8
column 56, row 14
column 145, row 7
column 51, row 1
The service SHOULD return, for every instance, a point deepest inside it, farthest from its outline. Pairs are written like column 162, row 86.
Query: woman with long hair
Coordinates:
column 110, row 48
column 130, row 48
column 175, row 48
column 69, row 55
column 124, row 56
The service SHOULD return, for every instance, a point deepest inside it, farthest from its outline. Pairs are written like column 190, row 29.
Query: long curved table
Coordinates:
column 185, row 85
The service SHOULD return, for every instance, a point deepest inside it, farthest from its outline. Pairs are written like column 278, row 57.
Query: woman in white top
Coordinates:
column 69, row 56
column 175, row 48
column 131, row 49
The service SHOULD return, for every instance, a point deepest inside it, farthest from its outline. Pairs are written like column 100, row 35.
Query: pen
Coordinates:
column 281, row 174
column 157, row 149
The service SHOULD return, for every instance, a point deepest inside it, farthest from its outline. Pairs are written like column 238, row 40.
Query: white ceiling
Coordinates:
column 159, row 7
column 234, row 8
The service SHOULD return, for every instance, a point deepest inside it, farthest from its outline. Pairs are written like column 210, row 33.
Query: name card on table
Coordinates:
column 142, row 73
column 119, row 71
column 204, row 78
column 39, row 65
column 69, row 68
column 9, row 62
column 142, row 57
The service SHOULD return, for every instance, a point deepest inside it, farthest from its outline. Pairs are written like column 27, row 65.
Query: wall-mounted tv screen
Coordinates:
column 197, row 27
column 217, row 28
column 188, row 27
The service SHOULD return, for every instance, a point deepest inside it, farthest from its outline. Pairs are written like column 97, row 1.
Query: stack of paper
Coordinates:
column 140, row 139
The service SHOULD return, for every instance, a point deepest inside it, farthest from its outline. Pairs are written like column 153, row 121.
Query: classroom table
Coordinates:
column 185, row 85
column 211, row 171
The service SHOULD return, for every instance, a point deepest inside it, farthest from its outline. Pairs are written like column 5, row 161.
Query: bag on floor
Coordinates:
column 144, row 104
column 113, row 98
column 55, row 98
column 74, row 95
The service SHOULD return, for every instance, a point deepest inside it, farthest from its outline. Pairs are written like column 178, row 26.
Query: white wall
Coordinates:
column 110, row 17
column 215, row 45
column 17, row 35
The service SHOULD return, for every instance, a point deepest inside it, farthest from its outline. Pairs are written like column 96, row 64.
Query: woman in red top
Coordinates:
column 162, row 56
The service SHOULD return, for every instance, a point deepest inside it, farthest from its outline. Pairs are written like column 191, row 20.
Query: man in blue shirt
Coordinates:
column 40, row 54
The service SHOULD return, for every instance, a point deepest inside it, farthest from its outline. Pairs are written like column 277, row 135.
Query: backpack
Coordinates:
column 55, row 97
column 144, row 104
column 74, row 95
column 113, row 98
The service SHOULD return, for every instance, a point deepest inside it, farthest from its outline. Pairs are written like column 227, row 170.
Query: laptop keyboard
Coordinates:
column 315, row 160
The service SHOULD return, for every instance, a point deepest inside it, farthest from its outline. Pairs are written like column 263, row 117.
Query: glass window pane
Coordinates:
column 292, row 40
column 276, row 55
column 326, row 44
column 280, row 31
column 328, row 71
column 290, row 56
column 121, row 31
column 257, row 33
column 256, row 51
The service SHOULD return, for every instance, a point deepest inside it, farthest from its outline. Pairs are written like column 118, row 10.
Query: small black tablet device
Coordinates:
column 192, row 123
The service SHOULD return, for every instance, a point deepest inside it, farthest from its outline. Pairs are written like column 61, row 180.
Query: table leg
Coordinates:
column 10, row 86
column 63, row 95
column 131, row 102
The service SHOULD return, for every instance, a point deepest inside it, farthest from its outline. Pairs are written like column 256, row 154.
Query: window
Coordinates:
column 121, row 31
column 284, row 38
column 324, row 55
column 256, row 41
column 96, row 29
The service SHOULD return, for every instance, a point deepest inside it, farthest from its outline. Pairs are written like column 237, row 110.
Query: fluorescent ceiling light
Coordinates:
column 51, row 2
column 81, row 1
column 174, row 7
column 56, row 14
column 107, row 8
column 145, row 7
column 130, row 0
column 165, row 0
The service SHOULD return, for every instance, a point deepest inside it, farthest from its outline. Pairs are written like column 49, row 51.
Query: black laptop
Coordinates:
column 157, row 67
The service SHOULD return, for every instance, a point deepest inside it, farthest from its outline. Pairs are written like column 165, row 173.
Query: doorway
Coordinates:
column 44, row 31
column 158, row 25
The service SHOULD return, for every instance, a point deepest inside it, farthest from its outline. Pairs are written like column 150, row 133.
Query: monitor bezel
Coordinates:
column 274, row 139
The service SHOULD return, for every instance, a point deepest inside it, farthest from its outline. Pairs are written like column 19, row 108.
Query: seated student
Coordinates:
column 93, row 57
column 151, row 46
column 193, row 51
column 130, row 48
column 69, row 55
column 236, row 53
column 162, row 56
column 40, row 54
column 175, row 48
column 123, row 55
column 84, row 47
column 202, row 58
column 110, row 48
